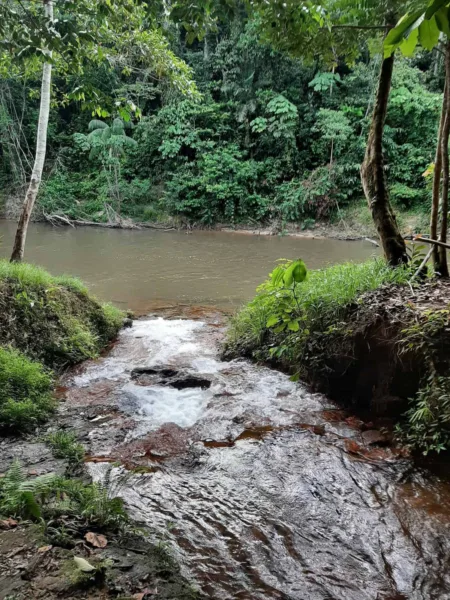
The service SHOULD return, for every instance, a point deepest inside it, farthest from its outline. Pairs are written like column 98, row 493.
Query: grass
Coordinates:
column 32, row 275
column 44, row 320
column 53, row 319
column 64, row 445
column 321, row 300
column 25, row 392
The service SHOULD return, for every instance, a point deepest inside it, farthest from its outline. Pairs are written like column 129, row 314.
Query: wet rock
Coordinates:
column 138, row 371
column 374, row 437
column 190, row 381
column 35, row 457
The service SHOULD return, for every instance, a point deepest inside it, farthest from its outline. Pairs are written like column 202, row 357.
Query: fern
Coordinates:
column 50, row 496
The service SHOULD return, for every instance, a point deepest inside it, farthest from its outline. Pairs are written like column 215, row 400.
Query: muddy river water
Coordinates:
column 143, row 269
column 261, row 489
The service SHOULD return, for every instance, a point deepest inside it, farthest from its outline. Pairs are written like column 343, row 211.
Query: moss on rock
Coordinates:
column 52, row 319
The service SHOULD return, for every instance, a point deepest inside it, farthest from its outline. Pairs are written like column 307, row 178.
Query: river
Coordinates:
column 142, row 269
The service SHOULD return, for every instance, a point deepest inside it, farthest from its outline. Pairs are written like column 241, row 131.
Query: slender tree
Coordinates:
column 428, row 24
column 76, row 38
column 373, row 174
column 41, row 147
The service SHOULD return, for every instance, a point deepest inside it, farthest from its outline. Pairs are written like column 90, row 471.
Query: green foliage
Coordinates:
column 28, row 275
column 52, row 319
column 53, row 499
column 427, row 422
column 64, row 445
column 220, row 186
column 25, row 396
column 273, row 137
column 315, row 304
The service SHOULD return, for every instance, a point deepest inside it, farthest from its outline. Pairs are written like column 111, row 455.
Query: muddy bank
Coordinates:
column 383, row 348
column 259, row 488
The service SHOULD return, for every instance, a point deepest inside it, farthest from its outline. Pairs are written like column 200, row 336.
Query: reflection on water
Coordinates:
column 139, row 269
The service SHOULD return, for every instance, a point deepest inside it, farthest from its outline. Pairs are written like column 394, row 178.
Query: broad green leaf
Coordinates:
column 434, row 7
column 288, row 276
column 299, row 272
column 295, row 272
column 272, row 321
column 442, row 20
column 409, row 45
column 396, row 35
column 277, row 276
column 428, row 34
column 293, row 326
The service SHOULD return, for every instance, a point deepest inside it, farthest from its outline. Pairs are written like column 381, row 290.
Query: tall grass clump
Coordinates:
column 313, row 305
column 31, row 275
column 25, row 392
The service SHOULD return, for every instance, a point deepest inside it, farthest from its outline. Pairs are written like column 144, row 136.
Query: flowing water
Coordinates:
column 261, row 489
column 143, row 269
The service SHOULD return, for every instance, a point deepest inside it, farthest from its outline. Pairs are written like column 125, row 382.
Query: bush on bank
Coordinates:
column 52, row 319
column 356, row 333
column 25, row 391
column 45, row 323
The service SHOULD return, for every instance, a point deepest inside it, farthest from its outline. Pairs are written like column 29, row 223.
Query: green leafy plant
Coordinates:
column 25, row 392
column 64, row 444
column 50, row 497
column 284, row 280
column 427, row 422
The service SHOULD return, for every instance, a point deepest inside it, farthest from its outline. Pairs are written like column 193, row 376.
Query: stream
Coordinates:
column 259, row 488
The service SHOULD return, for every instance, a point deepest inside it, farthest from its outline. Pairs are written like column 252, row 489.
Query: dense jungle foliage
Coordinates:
column 267, row 139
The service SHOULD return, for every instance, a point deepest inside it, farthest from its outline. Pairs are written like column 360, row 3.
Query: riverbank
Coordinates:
column 364, row 336
column 61, row 535
column 352, row 224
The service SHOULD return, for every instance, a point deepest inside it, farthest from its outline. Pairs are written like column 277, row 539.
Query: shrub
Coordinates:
column 427, row 425
column 316, row 304
column 50, row 497
column 220, row 185
column 25, row 391
column 64, row 445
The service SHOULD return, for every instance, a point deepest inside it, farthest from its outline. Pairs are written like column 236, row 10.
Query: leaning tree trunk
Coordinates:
column 442, row 264
column 373, row 175
column 41, row 147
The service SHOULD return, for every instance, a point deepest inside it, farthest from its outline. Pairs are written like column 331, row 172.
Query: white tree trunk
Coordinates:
column 41, row 148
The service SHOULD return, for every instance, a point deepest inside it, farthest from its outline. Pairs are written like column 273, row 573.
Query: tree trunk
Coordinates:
column 374, row 178
column 442, row 264
column 434, row 220
column 41, row 148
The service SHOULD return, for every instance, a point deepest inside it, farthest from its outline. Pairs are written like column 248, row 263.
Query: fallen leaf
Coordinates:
column 8, row 523
column 43, row 549
column 83, row 564
column 96, row 539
